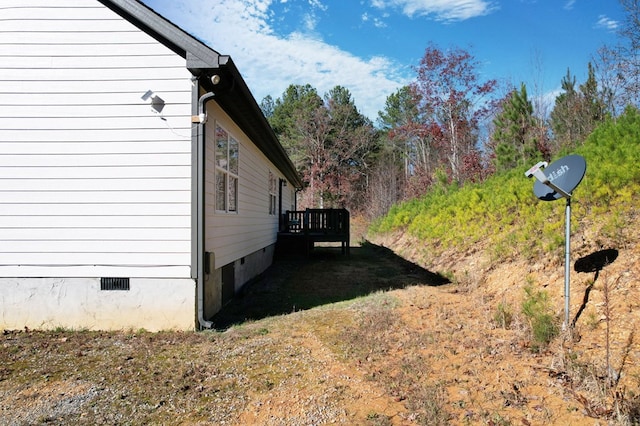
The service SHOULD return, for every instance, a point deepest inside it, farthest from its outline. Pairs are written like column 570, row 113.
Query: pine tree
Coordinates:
column 515, row 138
column 593, row 108
column 566, row 112
column 577, row 112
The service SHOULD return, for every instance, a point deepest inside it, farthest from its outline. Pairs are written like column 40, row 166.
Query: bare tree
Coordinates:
column 607, row 63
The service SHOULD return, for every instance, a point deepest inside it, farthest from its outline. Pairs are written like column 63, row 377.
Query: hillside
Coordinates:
column 562, row 383
column 505, row 250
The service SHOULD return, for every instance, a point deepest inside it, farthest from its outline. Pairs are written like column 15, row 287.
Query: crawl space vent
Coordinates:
column 114, row 284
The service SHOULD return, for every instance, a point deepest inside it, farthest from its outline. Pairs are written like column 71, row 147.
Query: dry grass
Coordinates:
column 372, row 340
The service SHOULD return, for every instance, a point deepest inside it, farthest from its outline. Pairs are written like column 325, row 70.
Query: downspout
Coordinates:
column 200, row 121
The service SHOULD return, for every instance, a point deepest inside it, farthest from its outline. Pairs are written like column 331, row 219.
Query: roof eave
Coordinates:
column 235, row 98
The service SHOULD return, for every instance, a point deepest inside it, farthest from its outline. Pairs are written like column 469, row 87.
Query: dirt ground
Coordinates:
column 372, row 339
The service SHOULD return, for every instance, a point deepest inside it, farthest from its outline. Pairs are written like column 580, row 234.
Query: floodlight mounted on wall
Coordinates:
column 157, row 103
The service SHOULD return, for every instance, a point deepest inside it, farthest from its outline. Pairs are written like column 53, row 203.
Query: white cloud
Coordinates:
column 310, row 22
column 318, row 4
column 444, row 10
column 310, row 19
column 569, row 4
column 607, row 23
column 270, row 63
column 377, row 22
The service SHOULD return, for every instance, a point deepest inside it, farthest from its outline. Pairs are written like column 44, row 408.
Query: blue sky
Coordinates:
column 371, row 46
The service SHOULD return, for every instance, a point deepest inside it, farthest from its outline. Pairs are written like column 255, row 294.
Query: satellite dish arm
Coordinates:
column 536, row 171
column 558, row 189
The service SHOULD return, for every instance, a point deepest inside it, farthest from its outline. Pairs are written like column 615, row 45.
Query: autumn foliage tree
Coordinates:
column 454, row 102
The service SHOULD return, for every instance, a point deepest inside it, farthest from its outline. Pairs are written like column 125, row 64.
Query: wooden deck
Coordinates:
column 315, row 225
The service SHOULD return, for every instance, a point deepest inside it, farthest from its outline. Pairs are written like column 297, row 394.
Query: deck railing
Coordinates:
column 318, row 225
column 324, row 221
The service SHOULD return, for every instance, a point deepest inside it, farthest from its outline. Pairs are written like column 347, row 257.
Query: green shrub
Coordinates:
column 542, row 322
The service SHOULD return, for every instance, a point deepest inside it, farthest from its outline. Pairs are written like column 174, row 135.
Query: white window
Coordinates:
column 272, row 193
column 227, row 151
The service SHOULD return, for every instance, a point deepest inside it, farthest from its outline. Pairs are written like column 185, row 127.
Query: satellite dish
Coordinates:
column 558, row 181
column 565, row 173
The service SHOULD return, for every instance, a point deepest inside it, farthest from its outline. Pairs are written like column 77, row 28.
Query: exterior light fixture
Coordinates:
column 157, row 103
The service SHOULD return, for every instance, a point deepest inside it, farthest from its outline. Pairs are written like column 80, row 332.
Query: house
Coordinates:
column 140, row 184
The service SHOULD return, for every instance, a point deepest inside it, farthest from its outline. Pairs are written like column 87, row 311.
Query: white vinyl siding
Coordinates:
column 92, row 181
column 233, row 236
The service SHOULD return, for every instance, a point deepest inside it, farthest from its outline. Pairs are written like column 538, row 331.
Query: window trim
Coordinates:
column 224, row 170
column 273, row 194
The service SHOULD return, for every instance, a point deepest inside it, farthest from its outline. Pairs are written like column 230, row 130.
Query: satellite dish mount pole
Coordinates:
column 536, row 171
column 567, row 260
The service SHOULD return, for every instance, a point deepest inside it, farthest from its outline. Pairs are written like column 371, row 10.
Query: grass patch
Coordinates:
column 503, row 317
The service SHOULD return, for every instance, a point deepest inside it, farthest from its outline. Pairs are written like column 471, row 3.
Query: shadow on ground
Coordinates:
column 594, row 262
column 296, row 282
